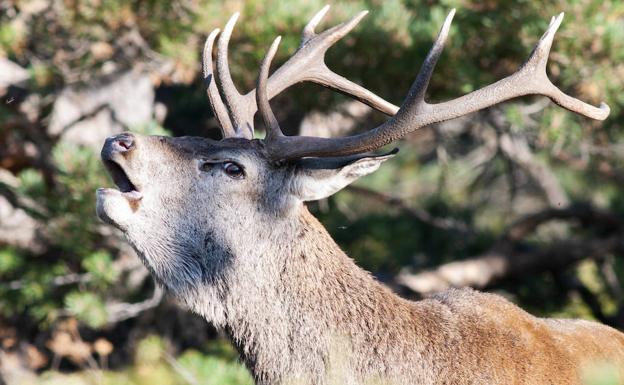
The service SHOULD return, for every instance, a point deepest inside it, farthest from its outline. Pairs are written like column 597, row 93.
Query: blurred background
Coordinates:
column 524, row 199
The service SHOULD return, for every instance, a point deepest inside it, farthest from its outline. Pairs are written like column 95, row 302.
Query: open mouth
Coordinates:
column 123, row 182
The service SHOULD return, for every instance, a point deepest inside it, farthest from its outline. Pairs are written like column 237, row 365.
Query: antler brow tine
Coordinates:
column 219, row 109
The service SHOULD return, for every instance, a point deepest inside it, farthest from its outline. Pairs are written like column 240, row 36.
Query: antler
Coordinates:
column 415, row 113
column 307, row 64
column 216, row 103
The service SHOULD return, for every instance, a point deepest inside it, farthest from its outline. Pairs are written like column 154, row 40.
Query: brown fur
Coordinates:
column 456, row 337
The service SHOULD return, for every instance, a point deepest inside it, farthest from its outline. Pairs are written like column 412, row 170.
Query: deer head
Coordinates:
column 180, row 198
column 205, row 214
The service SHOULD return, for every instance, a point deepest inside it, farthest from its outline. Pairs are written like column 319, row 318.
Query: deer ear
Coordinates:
column 318, row 178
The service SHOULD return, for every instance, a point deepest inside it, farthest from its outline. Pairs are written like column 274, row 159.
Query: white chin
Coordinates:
column 113, row 207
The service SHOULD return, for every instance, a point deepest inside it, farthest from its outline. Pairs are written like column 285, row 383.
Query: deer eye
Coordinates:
column 233, row 170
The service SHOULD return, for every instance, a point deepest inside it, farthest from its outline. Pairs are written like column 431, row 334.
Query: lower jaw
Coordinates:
column 115, row 207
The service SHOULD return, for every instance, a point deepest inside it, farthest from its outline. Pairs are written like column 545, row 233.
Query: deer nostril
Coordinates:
column 123, row 143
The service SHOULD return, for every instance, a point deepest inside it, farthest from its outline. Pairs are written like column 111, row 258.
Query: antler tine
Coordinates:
column 234, row 101
column 219, row 109
column 321, row 74
column 308, row 31
column 543, row 85
column 326, row 77
column 335, row 33
column 415, row 113
column 262, row 99
column 308, row 64
column 426, row 70
column 529, row 79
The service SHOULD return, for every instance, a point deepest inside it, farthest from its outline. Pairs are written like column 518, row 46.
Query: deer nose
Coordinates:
column 118, row 144
column 122, row 142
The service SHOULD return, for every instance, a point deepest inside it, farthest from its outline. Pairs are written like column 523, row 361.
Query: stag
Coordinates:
column 223, row 226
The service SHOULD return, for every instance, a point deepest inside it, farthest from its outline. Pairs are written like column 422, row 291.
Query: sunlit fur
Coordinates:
column 248, row 256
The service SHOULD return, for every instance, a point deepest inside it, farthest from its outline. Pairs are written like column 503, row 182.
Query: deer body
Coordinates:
column 301, row 312
column 318, row 318
column 224, row 227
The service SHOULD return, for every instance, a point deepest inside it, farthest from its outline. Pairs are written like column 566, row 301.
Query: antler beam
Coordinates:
column 415, row 113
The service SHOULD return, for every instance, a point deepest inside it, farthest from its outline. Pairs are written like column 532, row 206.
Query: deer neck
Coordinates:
column 292, row 298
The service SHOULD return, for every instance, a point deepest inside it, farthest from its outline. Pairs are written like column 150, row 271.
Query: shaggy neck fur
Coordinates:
column 302, row 311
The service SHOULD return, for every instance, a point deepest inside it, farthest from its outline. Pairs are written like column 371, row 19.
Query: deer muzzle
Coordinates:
column 115, row 206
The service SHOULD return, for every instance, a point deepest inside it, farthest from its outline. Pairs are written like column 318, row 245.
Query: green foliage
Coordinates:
column 87, row 307
column 214, row 370
column 100, row 266
column 72, row 230
column 150, row 351
column 9, row 261
column 155, row 366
